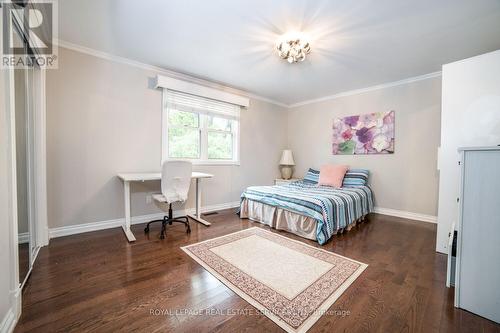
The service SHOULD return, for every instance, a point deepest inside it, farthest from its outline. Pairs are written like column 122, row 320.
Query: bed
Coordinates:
column 307, row 209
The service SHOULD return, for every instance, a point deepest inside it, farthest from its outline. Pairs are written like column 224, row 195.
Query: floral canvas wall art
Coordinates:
column 371, row 133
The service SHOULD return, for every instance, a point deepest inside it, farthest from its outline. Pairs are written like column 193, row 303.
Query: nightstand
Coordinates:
column 280, row 181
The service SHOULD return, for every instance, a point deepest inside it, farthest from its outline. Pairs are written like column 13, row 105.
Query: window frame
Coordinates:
column 203, row 128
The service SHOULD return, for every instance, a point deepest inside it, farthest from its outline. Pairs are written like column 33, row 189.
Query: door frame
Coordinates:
column 39, row 174
column 38, row 196
column 36, row 164
column 15, row 286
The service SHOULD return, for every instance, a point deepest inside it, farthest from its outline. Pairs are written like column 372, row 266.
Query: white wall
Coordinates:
column 104, row 117
column 470, row 117
column 406, row 180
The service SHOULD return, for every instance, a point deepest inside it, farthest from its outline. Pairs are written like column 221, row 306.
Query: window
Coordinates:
column 199, row 129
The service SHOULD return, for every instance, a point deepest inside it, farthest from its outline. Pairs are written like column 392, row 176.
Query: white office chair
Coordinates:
column 175, row 182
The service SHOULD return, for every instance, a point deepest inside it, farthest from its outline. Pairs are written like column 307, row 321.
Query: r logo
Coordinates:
column 28, row 29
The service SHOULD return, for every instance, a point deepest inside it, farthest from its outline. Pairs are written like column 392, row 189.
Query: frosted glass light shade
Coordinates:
column 287, row 158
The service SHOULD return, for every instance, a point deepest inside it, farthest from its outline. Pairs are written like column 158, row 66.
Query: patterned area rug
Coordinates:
column 290, row 282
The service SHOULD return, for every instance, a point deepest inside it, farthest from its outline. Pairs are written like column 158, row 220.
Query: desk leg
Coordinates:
column 197, row 216
column 126, row 226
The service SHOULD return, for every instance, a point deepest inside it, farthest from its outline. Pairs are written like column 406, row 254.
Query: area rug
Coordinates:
column 290, row 282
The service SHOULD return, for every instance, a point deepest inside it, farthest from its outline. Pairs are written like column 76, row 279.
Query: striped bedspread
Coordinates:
column 332, row 208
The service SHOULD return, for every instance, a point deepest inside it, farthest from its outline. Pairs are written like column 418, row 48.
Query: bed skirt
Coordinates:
column 278, row 218
column 282, row 219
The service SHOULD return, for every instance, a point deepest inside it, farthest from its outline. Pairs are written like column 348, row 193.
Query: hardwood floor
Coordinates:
column 24, row 260
column 99, row 282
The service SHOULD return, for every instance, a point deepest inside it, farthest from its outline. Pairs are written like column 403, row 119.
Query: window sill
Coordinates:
column 209, row 162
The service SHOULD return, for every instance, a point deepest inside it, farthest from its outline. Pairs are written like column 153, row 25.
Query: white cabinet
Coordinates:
column 478, row 248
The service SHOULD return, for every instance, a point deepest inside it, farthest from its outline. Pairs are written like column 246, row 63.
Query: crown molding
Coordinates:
column 211, row 84
column 164, row 71
column 367, row 89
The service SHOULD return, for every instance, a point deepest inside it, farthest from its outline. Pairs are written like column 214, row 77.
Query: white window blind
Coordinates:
column 199, row 129
column 201, row 105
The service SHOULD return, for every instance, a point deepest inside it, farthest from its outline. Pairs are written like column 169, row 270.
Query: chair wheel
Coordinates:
column 146, row 230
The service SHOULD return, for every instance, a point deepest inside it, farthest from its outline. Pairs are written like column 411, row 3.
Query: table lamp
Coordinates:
column 287, row 164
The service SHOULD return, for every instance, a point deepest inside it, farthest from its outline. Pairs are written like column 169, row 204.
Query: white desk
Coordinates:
column 127, row 178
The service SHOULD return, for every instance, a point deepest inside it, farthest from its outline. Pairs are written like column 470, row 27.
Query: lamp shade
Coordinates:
column 287, row 158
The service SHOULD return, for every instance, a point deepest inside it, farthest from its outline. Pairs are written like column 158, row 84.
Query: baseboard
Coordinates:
column 8, row 322
column 101, row 225
column 406, row 215
column 213, row 208
column 10, row 319
column 23, row 237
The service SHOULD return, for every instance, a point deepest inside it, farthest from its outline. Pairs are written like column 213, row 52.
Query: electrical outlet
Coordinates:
column 149, row 198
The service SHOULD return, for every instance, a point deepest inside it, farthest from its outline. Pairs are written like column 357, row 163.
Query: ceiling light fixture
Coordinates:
column 293, row 48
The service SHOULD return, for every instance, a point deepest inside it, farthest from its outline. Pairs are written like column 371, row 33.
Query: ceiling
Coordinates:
column 355, row 44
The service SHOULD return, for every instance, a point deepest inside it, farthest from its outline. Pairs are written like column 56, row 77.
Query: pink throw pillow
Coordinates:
column 332, row 175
